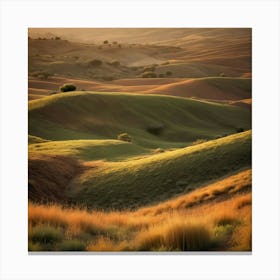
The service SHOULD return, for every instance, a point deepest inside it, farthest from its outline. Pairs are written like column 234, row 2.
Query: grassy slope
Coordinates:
column 156, row 178
column 90, row 149
column 215, row 88
column 226, row 218
column 89, row 115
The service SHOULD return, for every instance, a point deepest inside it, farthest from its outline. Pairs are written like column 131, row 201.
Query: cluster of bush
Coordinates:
column 107, row 43
column 149, row 72
column 95, row 63
column 44, row 38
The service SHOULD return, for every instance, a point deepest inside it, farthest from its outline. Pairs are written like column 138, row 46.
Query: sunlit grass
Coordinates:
column 208, row 226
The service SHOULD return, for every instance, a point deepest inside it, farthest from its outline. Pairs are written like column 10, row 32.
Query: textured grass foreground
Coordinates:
column 219, row 224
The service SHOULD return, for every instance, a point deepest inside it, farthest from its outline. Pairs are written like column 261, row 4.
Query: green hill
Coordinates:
column 131, row 184
column 152, row 120
column 90, row 149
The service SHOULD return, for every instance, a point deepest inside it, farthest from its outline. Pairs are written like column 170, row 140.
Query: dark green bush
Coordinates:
column 149, row 75
column 95, row 62
column 168, row 73
column 67, row 87
column 124, row 137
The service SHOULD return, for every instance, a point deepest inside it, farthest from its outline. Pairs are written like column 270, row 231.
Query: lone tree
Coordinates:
column 67, row 87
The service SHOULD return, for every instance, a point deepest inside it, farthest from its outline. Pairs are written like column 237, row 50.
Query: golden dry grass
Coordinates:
column 219, row 224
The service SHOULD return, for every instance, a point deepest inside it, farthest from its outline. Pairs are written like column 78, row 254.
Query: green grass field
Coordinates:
column 149, row 180
column 109, row 150
column 90, row 115
column 157, row 164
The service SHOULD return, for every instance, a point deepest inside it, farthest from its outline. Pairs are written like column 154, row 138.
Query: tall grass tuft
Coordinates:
column 188, row 237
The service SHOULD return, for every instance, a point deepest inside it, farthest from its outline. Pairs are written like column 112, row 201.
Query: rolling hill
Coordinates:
column 152, row 120
column 214, row 88
column 151, row 151
column 135, row 182
column 187, row 53
column 153, row 179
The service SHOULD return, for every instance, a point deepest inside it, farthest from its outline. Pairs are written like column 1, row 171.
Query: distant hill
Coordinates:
column 188, row 53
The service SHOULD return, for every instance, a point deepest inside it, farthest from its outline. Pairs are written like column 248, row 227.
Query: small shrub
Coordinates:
column 95, row 63
column 72, row 245
column 67, row 87
column 161, row 75
column 125, row 137
column 57, row 38
column 149, row 75
column 168, row 73
column 222, row 75
column 106, row 42
column 45, row 234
